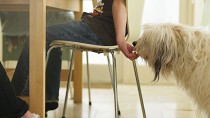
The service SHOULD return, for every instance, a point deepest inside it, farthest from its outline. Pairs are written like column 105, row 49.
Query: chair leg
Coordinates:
column 68, row 84
column 48, row 53
column 71, row 91
column 70, row 87
column 139, row 89
column 88, row 78
column 115, row 85
column 111, row 76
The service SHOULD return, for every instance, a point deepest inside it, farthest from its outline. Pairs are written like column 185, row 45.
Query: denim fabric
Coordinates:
column 77, row 31
column 11, row 106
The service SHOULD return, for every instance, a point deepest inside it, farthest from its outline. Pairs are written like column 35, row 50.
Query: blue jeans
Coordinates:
column 77, row 31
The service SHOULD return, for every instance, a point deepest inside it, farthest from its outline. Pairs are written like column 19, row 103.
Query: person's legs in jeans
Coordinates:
column 77, row 31
column 11, row 106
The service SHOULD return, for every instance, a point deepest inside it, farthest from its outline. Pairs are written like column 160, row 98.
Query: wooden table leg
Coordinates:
column 78, row 66
column 37, row 56
column 78, row 77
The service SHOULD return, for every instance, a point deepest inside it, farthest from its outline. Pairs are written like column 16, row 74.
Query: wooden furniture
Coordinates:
column 37, row 11
column 18, row 5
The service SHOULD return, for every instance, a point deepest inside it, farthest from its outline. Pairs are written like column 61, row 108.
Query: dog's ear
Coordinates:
column 157, row 67
column 165, row 51
column 159, row 60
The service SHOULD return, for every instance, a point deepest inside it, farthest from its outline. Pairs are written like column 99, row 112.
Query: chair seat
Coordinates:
column 84, row 46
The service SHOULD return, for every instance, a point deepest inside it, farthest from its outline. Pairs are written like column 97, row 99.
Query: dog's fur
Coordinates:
column 181, row 51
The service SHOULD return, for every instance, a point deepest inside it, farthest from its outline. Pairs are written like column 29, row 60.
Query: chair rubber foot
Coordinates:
column 63, row 117
column 90, row 103
column 119, row 113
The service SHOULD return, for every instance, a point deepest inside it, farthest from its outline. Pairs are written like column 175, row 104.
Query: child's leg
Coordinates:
column 9, row 103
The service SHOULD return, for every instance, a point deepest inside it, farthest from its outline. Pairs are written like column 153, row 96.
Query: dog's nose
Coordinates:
column 134, row 43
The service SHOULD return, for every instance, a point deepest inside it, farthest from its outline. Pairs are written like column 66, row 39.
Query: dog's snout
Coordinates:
column 134, row 43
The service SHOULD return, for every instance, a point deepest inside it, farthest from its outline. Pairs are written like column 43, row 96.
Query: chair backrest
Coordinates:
column 135, row 13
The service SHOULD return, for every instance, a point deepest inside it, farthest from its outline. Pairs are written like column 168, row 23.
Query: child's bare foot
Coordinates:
column 28, row 114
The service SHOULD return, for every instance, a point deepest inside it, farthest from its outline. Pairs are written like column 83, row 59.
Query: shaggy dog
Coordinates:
column 181, row 51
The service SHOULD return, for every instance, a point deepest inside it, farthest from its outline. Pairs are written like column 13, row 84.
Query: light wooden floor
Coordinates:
column 160, row 102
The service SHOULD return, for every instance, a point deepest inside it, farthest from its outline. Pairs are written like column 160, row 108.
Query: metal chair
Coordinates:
column 135, row 11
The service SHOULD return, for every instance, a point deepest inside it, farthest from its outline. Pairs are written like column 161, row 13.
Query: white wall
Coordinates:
column 198, row 12
column 99, row 73
column 191, row 12
column 206, row 13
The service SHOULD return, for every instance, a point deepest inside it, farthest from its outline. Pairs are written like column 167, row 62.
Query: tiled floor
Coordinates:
column 160, row 102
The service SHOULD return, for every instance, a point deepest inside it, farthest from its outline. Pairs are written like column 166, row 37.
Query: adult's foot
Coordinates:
column 51, row 105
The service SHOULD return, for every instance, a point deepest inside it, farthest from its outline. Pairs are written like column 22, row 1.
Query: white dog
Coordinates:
column 181, row 51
